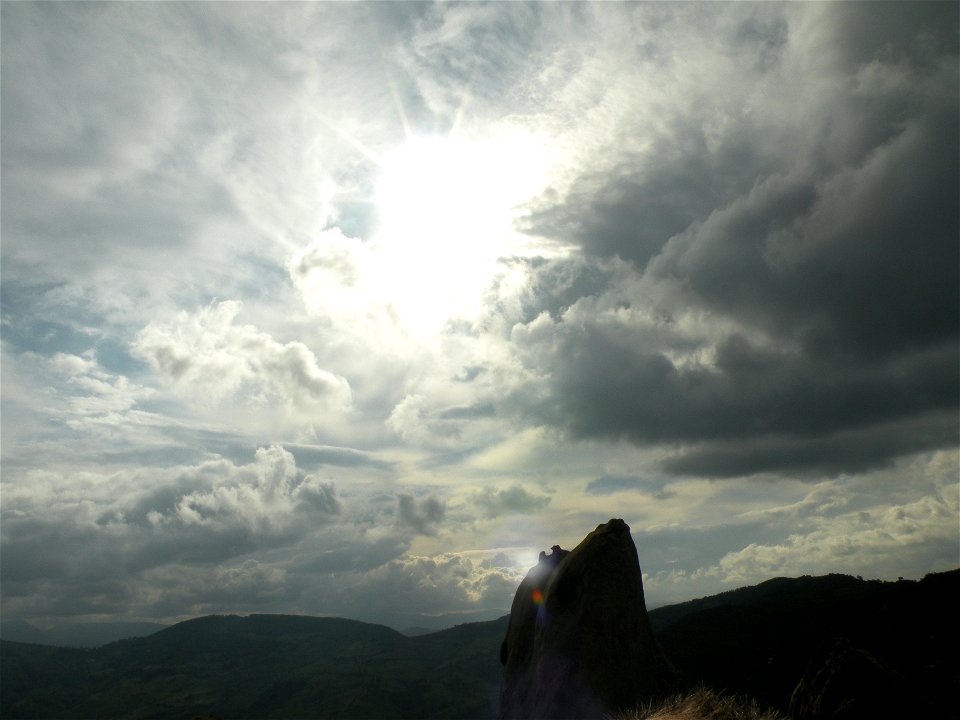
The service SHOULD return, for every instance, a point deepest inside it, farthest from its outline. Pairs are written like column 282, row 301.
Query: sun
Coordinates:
column 448, row 207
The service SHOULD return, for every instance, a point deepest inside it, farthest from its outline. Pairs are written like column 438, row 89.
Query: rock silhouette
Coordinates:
column 579, row 643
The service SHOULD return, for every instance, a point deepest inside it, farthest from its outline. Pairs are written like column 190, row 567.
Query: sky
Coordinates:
column 352, row 308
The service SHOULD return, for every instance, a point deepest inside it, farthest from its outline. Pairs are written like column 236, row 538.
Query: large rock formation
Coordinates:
column 579, row 643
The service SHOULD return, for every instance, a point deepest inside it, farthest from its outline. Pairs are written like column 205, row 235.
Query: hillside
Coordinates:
column 261, row 666
column 760, row 640
column 757, row 640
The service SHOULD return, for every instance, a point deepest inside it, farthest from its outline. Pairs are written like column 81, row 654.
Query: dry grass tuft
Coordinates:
column 703, row 704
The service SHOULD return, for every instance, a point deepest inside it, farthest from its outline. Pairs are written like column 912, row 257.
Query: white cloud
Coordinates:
column 332, row 273
column 207, row 355
column 879, row 541
column 102, row 400
column 267, row 497
column 443, row 583
column 408, row 420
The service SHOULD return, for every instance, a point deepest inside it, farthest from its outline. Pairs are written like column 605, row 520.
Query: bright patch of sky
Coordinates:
column 351, row 309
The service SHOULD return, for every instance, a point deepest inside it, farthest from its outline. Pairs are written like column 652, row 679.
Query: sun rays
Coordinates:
column 447, row 207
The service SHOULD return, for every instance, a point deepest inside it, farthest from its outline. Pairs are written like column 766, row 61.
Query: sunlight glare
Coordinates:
column 447, row 208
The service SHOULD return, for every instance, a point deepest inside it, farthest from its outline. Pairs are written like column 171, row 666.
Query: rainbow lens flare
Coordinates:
column 536, row 596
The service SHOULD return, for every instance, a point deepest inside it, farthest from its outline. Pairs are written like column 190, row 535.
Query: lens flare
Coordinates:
column 536, row 596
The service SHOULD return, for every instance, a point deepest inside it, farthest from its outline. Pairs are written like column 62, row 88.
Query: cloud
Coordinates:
column 844, row 451
column 908, row 531
column 70, row 410
column 449, row 52
column 419, row 516
column 444, row 584
column 418, row 419
column 743, row 265
column 101, row 401
column 215, row 510
column 118, row 543
column 207, row 353
column 800, row 317
column 749, row 407
column 110, row 210
column 609, row 484
column 337, row 456
column 332, row 274
column 512, row 499
column 883, row 524
column 802, row 255
column 264, row 498
column 408, row 419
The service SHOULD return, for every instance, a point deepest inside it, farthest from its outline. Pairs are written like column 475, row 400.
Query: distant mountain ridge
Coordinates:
column 76, row 634
column 756, row 640
column 260, row 666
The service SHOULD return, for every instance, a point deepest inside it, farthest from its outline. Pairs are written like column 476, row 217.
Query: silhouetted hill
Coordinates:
column 760, row 640
column 828, row 586
column 261, row 666
column 757, row 640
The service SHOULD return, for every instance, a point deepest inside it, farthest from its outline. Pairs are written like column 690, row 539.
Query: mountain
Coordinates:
column 757, row 640
column 22, row 631
column 761, row 640
column 260, row 666
column 415, row 630
column 76, row 634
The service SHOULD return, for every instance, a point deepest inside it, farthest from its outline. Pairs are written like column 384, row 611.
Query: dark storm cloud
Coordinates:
column 824, row 281
column 754, row 409
column 606, row 384
column 863, row 260
column 845, row 451
column 712, row 147
column 553, row 285
column 419, row 516
column 649, row 200
column 706, row 148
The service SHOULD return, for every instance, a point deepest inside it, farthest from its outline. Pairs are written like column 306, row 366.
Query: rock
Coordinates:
column 579, row 643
